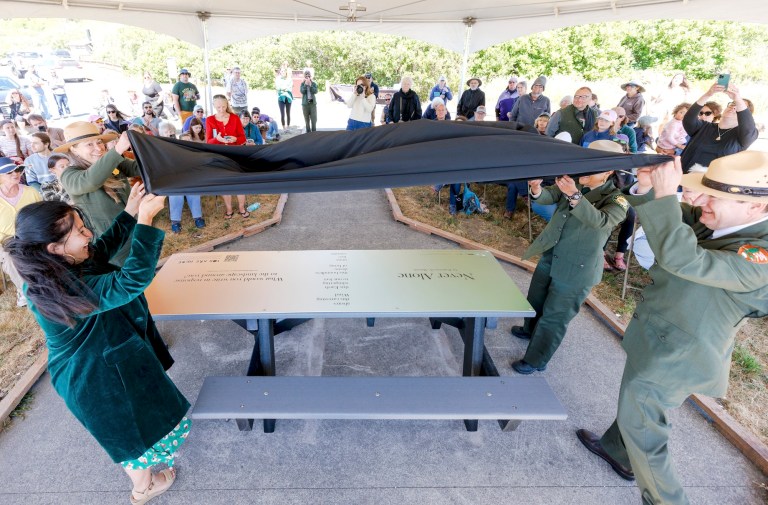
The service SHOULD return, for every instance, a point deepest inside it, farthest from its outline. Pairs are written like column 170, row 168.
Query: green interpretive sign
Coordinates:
column 312, row 284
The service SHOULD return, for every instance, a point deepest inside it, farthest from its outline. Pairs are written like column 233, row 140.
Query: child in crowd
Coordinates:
column 604, row 128
column 673, row 137
column 644, row 133
column 52, row 190
column 541, row 123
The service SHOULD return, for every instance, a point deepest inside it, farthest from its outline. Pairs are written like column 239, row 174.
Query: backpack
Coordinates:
column 470, row 202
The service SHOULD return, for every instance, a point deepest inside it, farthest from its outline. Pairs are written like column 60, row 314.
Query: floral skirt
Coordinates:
column 163, row 451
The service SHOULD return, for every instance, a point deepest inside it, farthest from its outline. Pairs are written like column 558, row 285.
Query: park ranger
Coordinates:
column 710, row 274
column 571, row 249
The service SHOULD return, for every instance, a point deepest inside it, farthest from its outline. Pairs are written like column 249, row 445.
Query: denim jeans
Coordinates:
column 454, row 193
column 357, row 125
column 62, row 104
column 176, row 203
column 545, row 211
column 515, row 188
column 272, row 130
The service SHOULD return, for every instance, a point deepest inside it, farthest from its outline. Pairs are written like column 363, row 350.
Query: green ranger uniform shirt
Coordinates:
column 577, row 235
column 682, row 333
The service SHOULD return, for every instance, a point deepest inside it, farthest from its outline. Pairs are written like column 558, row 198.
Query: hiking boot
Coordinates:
column 176, row 226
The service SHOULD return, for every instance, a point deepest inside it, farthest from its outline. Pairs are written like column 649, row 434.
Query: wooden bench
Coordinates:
column 507, row 399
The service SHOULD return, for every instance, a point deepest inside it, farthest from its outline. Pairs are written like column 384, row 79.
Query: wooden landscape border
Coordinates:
column 24, row 384
column 746, row 442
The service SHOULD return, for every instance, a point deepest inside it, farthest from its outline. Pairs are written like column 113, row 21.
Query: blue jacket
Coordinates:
column 446, row 94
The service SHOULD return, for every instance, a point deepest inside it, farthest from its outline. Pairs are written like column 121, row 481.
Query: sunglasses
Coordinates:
column 16, row 170
column 706, row 113
column 111, row 112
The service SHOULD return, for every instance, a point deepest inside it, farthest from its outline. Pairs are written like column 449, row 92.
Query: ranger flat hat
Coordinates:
column 742, row 176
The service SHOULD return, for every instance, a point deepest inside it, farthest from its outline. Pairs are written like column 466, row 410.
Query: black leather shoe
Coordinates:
column 592, row 442
column 524, row 368
column 520, row 332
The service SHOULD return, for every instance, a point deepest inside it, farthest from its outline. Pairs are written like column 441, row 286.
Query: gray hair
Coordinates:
column 566, row 101
column 408, row 79
column 437, row 101
column 167, row 127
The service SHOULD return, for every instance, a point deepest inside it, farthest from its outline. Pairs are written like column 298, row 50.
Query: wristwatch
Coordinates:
column 574, row 197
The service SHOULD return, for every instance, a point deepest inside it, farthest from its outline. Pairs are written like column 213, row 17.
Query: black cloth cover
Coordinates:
column 407, row 154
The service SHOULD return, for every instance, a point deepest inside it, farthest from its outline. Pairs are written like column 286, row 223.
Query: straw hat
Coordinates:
column 479, row 82
column 742, row 176
column 606, row 145
column 82, row 130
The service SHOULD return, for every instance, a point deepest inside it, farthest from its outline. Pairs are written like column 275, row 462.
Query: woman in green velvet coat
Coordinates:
column 105, row 356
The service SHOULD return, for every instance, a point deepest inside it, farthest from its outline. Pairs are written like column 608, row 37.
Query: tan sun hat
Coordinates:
column 742, row 176
column 606, row 145
column 82, row 130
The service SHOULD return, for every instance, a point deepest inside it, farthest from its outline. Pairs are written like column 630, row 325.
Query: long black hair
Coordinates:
column 53, row 285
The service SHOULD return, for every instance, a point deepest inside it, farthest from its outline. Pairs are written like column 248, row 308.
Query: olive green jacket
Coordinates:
column 109, row 367
column 577, row 235
column 85, row 189
column 682, row 333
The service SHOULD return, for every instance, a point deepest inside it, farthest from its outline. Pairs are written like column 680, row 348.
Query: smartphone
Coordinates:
column 723, row 80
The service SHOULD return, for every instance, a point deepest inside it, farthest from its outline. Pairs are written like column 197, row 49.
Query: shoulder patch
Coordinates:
column 619, row 199
column 754, row 254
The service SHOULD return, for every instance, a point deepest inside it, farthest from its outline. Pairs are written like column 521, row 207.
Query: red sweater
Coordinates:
column 234, row 127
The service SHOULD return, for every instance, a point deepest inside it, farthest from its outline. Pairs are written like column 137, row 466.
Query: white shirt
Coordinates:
column 734, row 229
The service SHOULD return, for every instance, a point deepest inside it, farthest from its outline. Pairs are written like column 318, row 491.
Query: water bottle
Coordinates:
column 254, row 206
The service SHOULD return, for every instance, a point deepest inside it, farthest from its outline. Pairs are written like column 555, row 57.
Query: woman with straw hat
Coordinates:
column 97, row 181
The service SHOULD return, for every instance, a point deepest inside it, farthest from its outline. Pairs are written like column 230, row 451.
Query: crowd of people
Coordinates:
column 76, row 231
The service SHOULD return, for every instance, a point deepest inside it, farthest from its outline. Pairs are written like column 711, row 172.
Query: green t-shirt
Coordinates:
column 188, row 95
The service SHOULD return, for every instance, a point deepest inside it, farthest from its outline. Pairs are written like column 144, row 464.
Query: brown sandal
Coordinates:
column 154, row 490
column 228, row 215
column 245, row 214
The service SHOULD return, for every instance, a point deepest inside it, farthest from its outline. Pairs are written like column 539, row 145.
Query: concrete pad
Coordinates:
column 48, row 458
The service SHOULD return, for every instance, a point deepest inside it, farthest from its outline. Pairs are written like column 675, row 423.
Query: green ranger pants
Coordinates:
column 638, row 438
column 555, row 303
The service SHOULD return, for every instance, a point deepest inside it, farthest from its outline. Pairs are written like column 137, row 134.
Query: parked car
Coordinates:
column 61, row 53
column 7, row 83
column 70, row 70
column 21, row 60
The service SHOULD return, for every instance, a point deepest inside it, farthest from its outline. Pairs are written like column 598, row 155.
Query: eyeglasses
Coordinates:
column 582, row 97
column 111, row 112
column 705, row 113
column 198, row 112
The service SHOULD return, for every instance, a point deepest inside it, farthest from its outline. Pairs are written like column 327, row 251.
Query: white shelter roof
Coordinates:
column 440, row 22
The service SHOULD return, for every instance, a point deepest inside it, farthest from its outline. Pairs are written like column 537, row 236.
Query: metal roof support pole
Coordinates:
column 468, row 22
column 204, row 16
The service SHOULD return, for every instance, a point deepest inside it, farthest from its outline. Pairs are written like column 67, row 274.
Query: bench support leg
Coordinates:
column 370, row 321
column 244, row 424
column 263, row 356
column 288, row 324
column 266, row 346
column 473, row 333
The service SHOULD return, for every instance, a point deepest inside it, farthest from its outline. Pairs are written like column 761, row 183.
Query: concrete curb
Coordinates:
column 25, row 383
column 749, row 445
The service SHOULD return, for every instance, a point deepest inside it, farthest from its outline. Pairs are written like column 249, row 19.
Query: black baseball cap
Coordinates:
column 368, row 75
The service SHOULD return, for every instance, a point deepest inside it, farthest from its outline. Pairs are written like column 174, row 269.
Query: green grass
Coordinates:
column 748, row 364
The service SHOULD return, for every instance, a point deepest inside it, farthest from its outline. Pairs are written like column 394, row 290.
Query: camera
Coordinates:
column 41, row 128
column 359, row 89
